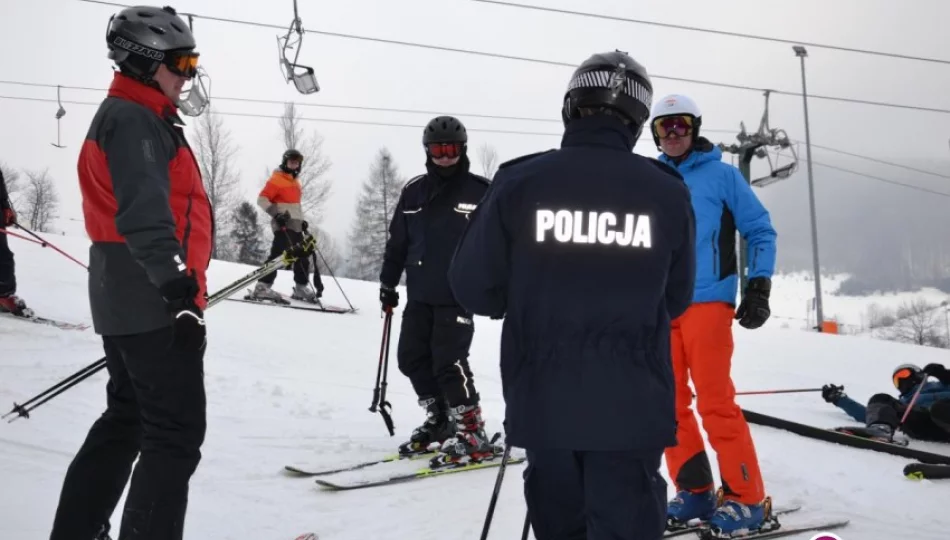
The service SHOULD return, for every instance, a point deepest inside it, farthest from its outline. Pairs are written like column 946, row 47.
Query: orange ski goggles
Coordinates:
column 902, row 375
column 182, row 63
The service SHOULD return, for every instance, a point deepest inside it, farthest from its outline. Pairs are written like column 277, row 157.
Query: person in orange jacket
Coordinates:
column 281, row 198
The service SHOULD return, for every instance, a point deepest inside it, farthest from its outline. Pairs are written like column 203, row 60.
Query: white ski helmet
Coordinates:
column 676, row 105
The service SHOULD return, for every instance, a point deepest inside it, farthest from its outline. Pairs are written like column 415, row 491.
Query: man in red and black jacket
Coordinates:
column 9, row 301
column 150, row 222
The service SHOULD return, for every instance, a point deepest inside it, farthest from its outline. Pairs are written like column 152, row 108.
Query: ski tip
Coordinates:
column 308, row 536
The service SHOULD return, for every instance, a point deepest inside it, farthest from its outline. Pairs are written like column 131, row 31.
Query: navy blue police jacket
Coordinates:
column 588, row 252
column 430, row 217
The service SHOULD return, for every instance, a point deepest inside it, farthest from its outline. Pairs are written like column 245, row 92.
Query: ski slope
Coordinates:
column 287, row 386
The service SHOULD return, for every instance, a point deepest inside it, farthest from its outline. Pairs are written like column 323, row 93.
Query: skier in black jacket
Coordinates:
column 588, row 252
column 9, row 301
column 436, row 333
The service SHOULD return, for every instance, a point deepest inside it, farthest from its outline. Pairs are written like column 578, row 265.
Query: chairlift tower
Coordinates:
column 758, row 144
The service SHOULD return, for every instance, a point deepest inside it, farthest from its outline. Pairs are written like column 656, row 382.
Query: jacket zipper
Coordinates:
column 715, row 251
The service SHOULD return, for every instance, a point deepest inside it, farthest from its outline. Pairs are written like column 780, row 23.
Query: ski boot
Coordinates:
column 470, row 443
column 733, row 519
column 687, row 506
column 15, row 305
column 437, row 428
column 304, row 293
column 263, row 293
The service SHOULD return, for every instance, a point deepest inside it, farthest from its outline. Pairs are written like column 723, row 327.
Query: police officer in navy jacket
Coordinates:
column 588, row 253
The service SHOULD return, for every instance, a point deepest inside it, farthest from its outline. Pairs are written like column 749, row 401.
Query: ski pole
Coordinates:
column 527, row 526
column 325, row 263
column 42, row 243
column 494, row 496
column 379, row 393
column 22, row 411
column 762, row 392
column 910, row 407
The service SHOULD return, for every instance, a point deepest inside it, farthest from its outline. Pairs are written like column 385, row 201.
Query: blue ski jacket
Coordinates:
column 932, row 393
column 724, row 202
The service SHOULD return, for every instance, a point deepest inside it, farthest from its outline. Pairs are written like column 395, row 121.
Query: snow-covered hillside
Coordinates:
column 286, row 386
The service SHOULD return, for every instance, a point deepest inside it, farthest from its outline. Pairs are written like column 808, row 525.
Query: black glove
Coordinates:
column 304, row 226
column 388, row 296
column 319, row 287
column 938, row 372
column 282, row 218
column 188, row 324
column 754, row 309
column 832, row 393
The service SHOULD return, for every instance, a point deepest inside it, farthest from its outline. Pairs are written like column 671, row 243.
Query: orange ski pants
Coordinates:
column 702, row 348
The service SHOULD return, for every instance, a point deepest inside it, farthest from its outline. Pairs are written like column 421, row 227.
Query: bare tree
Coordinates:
column 374, row 210
column 488, row 157
column 314, row 182
column 215, row 153
column 918, row 322
column 40, row 201
column 11, row 178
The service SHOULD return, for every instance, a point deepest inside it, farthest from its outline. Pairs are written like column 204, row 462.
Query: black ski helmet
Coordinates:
column 612, row 80
column 140, row 38
column 289, row 155
column 444, row 129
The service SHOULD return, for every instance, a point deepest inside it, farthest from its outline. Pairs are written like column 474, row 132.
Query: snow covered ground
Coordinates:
column 286, row 386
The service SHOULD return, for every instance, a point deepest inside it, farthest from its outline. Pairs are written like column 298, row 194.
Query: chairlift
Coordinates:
column 302, row 76
column 61, row 112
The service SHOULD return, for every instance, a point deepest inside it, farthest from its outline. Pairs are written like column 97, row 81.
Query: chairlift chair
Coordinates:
column 302, row 76
column 60, row 113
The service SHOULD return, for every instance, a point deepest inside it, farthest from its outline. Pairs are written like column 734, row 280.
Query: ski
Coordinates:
column 308, row 536
column 48, row 322
column 314, row 307
column 697, row 527
column 926, row 471
column 425, row 472
column 781, row 531
column 301, row 471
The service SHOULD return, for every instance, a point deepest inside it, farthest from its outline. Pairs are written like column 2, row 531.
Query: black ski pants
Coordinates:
column 926, row 424
column 7, row 268
column 156, row 412
column 574, row 495
column 283, row 240
column 433, row 352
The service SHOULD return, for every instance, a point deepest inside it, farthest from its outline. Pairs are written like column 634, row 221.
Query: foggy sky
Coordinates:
column 62, row 42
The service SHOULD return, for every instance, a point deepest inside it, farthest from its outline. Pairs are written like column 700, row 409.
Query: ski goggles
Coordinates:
column 666, row 125
column 444, row 150
column 902, row 375
column 182, row 63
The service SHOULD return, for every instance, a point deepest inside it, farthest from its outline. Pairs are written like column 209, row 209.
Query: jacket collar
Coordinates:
column 598, row 130
column 125, row 87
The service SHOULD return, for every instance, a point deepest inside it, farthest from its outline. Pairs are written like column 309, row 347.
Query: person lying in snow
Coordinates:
column 929, row 420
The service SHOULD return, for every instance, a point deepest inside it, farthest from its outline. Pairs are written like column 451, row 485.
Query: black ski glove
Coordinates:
column 282, row 218
column 188, row 324
column 318, row 285
column 754, row 309
column 388, row 297
column 832, row 393
column 938, row 372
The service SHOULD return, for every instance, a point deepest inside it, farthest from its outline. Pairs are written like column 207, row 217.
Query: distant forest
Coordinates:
column 888, row 237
